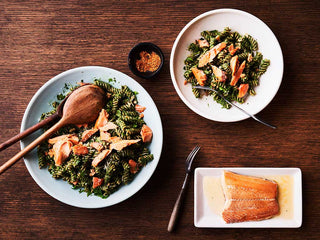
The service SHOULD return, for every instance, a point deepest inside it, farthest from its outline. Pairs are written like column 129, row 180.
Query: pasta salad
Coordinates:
column 99, row 157
column 226, row 61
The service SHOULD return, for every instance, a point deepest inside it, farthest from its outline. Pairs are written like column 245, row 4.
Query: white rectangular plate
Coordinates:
column 205, row 218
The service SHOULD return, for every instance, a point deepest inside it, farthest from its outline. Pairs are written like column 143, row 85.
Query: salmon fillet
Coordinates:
column 248, row 198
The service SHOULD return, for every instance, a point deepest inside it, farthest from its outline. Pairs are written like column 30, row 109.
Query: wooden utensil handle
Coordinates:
column 31, row 146
column 27, row 132
column 176, row 209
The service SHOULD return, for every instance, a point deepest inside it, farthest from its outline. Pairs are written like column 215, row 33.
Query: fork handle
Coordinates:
column 263, row 122
column 177, row 206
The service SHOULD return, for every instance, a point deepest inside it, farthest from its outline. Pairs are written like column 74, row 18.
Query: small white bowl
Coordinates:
column 60, row 189
column 243, row 23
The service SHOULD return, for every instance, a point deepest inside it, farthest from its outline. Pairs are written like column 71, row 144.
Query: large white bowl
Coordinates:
column 60, row 189
column 243, row 23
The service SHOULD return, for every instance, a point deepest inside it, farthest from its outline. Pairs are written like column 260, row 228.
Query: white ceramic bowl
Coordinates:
column 60, row 189
column 243, row 23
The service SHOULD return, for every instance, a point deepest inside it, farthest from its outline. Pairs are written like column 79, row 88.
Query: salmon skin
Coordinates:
column 248, row 198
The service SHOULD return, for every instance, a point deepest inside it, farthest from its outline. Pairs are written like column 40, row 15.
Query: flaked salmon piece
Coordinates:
column 236, row 77
column 248, row 198
column 105, row 136
column 74, row 182
column 146, row 133
column 97, row 146
column 50, row 152
column 100, row 157
column 243, row 89
column 115, row 139
column 203, row 43
column 58, row 138
column 122, row 144
column 141, row 115
column 140, row 108
column 234, row 64
column 108, row 126
column 74, row 139
column 71, row 137
column 96, row 182
column 211, row 54
column 220, row 75
column 231, row 47
column 133, row 166
column 232, row 50
column 61, row 151
column 88, row 134
column 199, row 75
column 80, row 150
column 102, row 119
column 92, row 172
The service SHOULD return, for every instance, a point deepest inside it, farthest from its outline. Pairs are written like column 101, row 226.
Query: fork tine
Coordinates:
column 194, row 153
column 191, row 154
column 191, row 157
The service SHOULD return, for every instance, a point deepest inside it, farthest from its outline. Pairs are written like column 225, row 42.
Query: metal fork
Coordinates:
column 177, row 205
column 249, row 114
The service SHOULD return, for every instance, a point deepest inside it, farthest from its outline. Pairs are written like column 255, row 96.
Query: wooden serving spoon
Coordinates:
column 53, row 118
column 82, row 106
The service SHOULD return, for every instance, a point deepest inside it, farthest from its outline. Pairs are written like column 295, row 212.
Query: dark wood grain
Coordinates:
column 40, row 39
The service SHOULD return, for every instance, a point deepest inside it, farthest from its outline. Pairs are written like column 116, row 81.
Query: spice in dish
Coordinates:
column 148, row 62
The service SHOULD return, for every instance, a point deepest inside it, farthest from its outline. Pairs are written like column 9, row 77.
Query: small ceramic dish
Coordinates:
column 134, row 55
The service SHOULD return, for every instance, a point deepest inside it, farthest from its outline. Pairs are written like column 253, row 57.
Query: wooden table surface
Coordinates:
column 40, row 39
